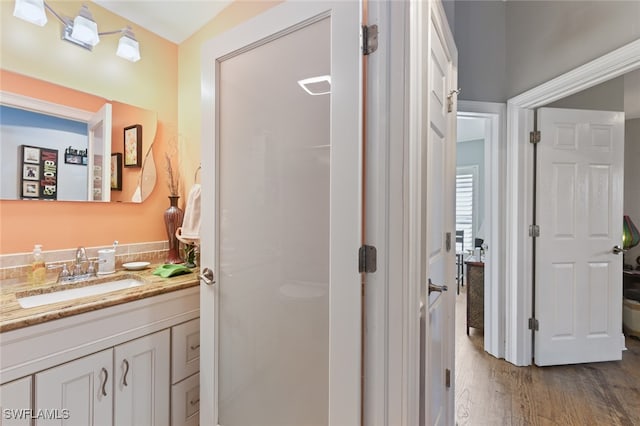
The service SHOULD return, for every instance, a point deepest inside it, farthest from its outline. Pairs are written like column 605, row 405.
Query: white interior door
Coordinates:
column 99, row 155
column 281, row 179
column 438, row 244
column 578, row 293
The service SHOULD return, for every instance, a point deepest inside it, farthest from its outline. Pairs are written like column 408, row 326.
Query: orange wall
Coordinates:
column 124, row 116
column 39, row 89
column 151, row 83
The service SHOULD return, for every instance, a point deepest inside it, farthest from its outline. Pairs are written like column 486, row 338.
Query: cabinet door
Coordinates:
column 142, row 381
column 77, row 393
column 15, row 399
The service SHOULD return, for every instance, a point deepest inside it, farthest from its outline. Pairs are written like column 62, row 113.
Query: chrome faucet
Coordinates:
column 81, row 257
column 77, row 272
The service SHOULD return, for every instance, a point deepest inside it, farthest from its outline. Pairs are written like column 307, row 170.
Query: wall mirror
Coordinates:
column 53, row 144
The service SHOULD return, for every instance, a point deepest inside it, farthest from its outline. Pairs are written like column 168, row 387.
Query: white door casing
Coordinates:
column 578, row 290
column 99, row 155
column 344, row 329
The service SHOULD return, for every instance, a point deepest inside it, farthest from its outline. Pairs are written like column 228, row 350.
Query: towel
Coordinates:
column 189, row 232
column 167, row 271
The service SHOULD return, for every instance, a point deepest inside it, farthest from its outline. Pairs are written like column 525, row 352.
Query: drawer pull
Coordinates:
column 192, row 402
column 194, row 347
column 126, row 371
column 104, row 384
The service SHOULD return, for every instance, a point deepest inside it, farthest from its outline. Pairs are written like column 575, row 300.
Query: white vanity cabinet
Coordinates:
column 185, row 379
column 111, row 366
column 142, row 381
column 15, row 400
column 79, row 392
column 130, row 382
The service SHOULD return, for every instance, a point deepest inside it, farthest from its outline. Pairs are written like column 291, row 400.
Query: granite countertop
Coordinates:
column 13, row 316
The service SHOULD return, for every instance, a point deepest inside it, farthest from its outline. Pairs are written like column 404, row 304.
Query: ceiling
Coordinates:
column 174, row 20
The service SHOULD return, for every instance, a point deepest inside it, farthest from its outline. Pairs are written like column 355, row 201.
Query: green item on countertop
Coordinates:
column 168, row 270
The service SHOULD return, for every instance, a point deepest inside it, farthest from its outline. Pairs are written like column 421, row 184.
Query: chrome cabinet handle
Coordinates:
column 104, row 384
column 126, row 371
column 435, row 287
column 194, row 402
column 194, row 347
column 207, row 276
column 618, row 250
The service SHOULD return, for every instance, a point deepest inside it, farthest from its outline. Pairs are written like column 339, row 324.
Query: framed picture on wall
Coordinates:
column 133, row 146
column 30, row 189
column 39, row 173
column 30, row 171
column 116, row 171
column 31, row 154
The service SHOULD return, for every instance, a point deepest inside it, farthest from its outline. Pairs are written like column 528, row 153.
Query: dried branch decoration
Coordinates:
column 171, row 167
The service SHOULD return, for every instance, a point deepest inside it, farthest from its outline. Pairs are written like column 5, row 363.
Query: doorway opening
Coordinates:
column 480, row 199
column 480, row 210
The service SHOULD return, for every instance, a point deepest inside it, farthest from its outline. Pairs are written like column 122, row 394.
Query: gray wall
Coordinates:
column 480, row 35
column 506, row 48
column 632, row 179
column 471, row 153
column 607, row 96
column 449, row 10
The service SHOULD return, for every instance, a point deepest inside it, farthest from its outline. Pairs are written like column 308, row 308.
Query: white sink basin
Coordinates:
column 76, row 293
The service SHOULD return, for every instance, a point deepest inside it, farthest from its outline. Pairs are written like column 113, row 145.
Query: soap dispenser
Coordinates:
column 38, row 269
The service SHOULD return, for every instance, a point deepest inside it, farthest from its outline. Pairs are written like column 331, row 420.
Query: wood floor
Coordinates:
column 490, row 391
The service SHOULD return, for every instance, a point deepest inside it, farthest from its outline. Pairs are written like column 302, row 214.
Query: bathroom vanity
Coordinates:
column 123, row 358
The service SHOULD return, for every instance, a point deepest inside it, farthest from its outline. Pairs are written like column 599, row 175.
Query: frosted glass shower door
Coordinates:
column 287, row 223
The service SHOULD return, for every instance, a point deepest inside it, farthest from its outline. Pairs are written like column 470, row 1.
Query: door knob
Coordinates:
column 435, row 287
column 207, row 276
column 618, row 250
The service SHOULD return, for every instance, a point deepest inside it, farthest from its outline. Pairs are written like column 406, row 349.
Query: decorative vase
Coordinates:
column 173, row 220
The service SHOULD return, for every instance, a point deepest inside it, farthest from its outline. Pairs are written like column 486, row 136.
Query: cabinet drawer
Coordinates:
column 185, row 402
column 185, row 350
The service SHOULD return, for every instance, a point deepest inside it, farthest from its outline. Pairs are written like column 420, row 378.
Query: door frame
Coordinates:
column 392, row 293
column 494, row 213
column 345, row 345
column 519, row 195
column 494, row 115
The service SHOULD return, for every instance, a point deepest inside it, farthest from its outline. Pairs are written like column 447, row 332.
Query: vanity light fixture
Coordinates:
column 81, row 31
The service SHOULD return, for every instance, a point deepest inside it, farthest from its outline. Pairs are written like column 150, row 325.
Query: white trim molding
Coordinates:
column 518, row 261
column 495, row 115
column 606, row 67
column 38, row 105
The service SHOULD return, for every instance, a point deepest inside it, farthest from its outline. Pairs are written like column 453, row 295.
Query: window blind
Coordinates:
column 464, row 208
